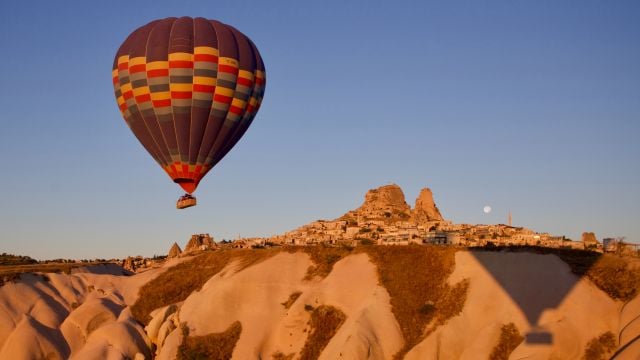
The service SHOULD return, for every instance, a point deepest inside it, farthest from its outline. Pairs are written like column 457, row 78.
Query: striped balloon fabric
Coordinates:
column 188, row 88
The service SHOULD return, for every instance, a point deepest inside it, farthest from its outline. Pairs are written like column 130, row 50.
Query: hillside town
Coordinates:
column 385, row 218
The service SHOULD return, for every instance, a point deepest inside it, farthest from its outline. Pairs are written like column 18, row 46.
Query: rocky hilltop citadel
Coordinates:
column 385, row 218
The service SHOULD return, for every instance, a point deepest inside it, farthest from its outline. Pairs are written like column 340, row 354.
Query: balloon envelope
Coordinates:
column 188, row 88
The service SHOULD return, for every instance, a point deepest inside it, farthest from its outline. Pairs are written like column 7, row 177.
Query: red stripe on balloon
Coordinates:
column 183, row 64
column 222, row 98
column 181, row 94
column 228, row 69
column 235, row 110
column 205, row 57
column 245, row 82
column 158, row 73
column 204, row 88
column 143, row 98
column 137, row 68
column 162, row 103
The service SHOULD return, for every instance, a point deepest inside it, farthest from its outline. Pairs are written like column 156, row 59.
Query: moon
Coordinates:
column 487, row 209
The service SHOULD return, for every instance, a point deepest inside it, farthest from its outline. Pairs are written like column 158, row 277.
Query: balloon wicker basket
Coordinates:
column 185, row 202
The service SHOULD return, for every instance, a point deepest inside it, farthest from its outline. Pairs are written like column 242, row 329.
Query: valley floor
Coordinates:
column 411, row 302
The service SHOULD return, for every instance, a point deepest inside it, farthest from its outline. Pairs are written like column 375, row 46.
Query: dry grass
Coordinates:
column 414, row 276
column 323, row 257
column 178, row 282
column 601, row 347
column 416, row 279
column 11, row 273
column 292, row 298
column 218, row 346
column 510, row 338
column 325, row 322
column 614, row 276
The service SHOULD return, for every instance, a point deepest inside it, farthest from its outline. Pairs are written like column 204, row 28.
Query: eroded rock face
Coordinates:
column 175, row 251
column 385, row 202
column 199, row 242
column 426, row 209
column 589, row 239
column 83, row 315
column 129, row 264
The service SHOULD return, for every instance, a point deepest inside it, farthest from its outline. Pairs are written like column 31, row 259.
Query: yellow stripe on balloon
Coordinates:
column 142, row 90
column 225, row 91
column 161, row 95
column 123, row 59
column 204, row 80
column 238, row 103
column 180, row 56
column 228, row 61
column 155, row 65
column 137, row 61
column 180, row 87
column 205, row 50
column 245, row 74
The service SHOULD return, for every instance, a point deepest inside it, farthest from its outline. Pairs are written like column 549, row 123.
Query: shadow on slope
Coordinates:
column 538, row 288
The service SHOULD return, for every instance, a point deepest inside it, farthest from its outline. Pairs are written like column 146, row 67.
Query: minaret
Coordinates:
column 509, row 219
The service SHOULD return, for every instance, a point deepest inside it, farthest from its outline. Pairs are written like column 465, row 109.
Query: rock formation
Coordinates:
column 386, row 202
column 426, row 209
column 199, row 242
column 129, row 264
column 589, row 240
column 175, row 251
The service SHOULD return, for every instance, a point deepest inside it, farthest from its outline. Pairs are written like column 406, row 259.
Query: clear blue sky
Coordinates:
column 532, row 106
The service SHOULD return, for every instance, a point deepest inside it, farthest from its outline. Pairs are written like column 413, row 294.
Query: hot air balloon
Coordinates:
column 188, row 88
